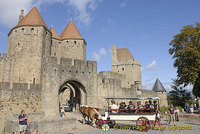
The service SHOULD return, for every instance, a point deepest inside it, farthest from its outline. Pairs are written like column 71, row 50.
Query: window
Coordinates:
column 75, row 42
column 122, row 69
column 54, row 54
column 59, row 42
column 22, row 28
column 32, row 29
column 67, row 41
column 15, row 30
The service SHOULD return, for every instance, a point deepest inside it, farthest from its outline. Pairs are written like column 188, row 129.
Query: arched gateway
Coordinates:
column 71, row 95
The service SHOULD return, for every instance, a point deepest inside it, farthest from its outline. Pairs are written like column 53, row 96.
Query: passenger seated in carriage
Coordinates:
column 140, row 107
column 122, row 106
column 131, row 107
column 146, row 106
column 113, row 106
column 151, row 106
column 155, row 106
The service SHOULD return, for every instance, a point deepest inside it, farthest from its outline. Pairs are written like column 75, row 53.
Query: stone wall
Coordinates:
column 45, row 126
column 70, row 48
column 55, row 75
column 27, row 48
column 4, row 67
column 130, row 68
column 20, row 97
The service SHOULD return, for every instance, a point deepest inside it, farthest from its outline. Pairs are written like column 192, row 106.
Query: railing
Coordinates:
column 134, row 111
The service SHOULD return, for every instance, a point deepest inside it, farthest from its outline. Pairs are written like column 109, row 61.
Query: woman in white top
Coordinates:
column 177, row 114
column 191, row 108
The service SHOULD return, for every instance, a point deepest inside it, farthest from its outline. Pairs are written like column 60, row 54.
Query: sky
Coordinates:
column 145, row 27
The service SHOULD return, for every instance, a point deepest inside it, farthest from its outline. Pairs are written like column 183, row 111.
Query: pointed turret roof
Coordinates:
column 124, row 54
column 54, row 33
column 71, row 32
column 158, row 87
column 32, row 18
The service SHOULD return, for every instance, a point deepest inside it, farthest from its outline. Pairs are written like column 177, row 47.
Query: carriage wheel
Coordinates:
column 157, row 122
column 100, row 122
column 144, row 122
column 111, row 123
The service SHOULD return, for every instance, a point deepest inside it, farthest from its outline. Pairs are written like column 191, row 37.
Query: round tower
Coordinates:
column 73, row 45
column 28, row 45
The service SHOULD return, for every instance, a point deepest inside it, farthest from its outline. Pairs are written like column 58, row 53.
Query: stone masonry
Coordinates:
column 40, row 65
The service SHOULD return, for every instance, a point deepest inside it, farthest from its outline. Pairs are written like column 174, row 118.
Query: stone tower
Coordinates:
column 28, row 45
column 124, row 63
column 160, row 92
column 70, row 44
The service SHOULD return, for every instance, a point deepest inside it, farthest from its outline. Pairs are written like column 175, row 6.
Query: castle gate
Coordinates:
column 72, row 94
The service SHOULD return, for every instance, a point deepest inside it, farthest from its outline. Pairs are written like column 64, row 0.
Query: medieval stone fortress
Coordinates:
column 41, row 69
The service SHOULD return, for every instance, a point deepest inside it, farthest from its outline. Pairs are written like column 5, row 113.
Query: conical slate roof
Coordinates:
column 33, row 18
column 71, row 32
column 158, row 87
column 54, row 33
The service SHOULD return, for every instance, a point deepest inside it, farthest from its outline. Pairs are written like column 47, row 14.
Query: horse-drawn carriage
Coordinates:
column 143, row 116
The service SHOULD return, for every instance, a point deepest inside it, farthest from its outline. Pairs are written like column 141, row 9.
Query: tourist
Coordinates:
column 139, row 105
column 131, row 107
column 122, row 106
column 187, row 107
column 32, row 129
column 150, row 104
column 23, row 122
column 146, row 105
column 62, row 112
column 171, row 114
column 191, row 108
column 155, row 106
column 113, row 106
column 177, row 114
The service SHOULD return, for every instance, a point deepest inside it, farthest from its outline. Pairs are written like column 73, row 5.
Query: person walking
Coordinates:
column 191, row 108
column 171, row 114
column 187, row 107
column 23, row 122
column 177, row 114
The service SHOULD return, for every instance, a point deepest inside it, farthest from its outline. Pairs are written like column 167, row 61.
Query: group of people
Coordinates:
column 173, row 114
column 190, row 108
column 24, row 126
column 148, row 107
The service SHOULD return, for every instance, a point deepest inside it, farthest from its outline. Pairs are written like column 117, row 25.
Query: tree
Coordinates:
column 179, row 96
column 185, row 49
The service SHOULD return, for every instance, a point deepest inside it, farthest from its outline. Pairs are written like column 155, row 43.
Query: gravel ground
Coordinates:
column 193, row 123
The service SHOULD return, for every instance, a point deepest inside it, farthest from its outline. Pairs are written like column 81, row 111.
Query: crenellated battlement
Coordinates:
column 111, row 74
column 19, row 90
column 66, row 64
column 2, row 56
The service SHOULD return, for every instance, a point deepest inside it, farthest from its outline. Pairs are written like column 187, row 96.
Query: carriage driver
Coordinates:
column 113, row 106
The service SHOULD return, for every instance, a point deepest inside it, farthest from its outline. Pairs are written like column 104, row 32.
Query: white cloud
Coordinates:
column 122, row 4
column 101, row 52
column 82, row 9
column 96, row 56
column 150, row 66
column 110, row 21
column 10, row 9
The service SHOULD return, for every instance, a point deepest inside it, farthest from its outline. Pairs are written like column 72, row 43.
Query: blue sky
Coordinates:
column 144, row 26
